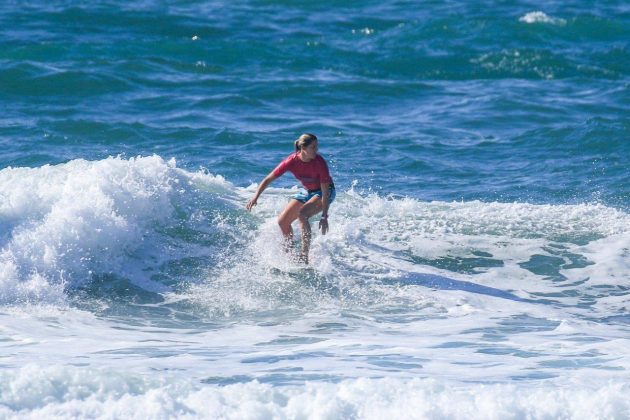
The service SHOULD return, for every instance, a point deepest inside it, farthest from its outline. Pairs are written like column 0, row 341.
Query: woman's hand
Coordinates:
column 265, row 182
column 252, row 203
column 323, row 225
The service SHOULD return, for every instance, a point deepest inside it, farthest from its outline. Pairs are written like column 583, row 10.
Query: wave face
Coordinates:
column 65, row 225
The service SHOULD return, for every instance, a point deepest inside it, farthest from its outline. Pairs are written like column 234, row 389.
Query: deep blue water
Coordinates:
column 436, row 100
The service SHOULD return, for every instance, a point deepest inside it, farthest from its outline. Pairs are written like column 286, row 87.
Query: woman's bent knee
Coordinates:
column 284, row 224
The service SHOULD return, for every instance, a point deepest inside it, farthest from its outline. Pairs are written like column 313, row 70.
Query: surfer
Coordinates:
column 319, row 192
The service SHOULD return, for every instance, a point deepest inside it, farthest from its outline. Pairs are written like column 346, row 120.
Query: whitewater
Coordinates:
column 130, row 287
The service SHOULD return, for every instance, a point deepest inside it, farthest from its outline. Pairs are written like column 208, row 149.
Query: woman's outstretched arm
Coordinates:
column 263, row 185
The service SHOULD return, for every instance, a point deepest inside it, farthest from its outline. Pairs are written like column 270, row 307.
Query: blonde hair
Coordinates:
column 304, row 140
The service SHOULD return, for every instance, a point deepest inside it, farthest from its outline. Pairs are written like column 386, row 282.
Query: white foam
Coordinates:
column 69, row 392
column 387, row 235
column 541, row 17
column 59, row 224
column 374, row 239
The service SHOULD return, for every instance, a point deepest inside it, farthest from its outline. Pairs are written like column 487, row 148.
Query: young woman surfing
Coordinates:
column 312, row 171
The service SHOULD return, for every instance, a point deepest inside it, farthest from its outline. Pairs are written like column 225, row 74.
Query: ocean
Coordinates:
column 478, row 259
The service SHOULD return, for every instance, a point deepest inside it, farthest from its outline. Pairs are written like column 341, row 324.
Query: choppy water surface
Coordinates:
column 477, row 263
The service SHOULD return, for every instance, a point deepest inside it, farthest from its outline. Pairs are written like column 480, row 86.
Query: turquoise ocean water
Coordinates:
column 478, row 258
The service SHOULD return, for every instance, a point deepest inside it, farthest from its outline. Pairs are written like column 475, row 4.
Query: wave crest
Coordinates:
column 541, row 17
